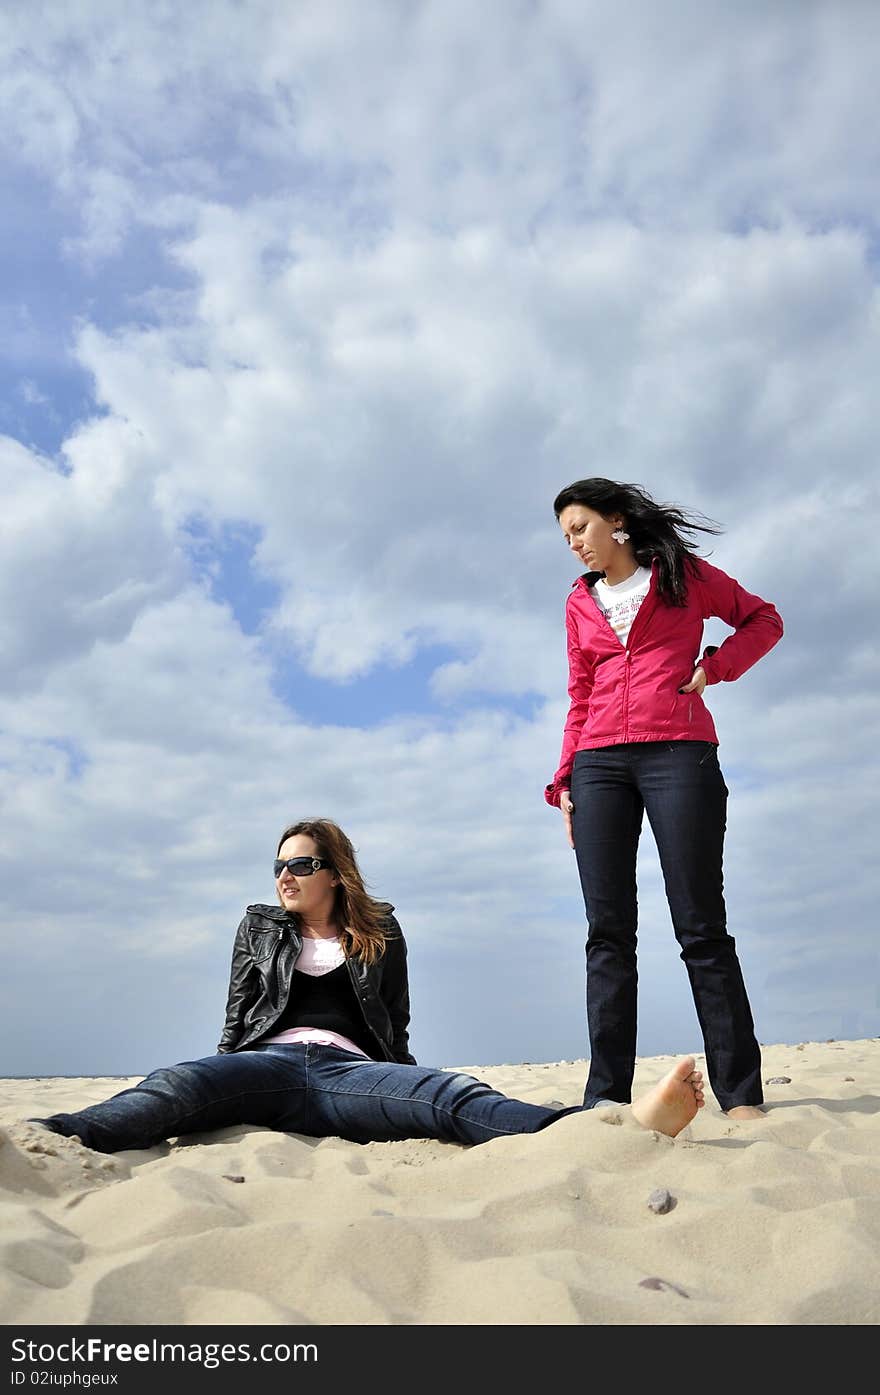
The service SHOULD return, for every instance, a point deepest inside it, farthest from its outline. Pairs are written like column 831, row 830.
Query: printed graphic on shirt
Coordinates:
column 320, row 956
column 620, row 603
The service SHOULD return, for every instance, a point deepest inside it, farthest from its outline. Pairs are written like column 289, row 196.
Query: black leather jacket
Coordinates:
column 267, row 946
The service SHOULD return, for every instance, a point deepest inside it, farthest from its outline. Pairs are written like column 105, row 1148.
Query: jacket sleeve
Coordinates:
column 395, row 993
column 757, row 625
column 243, row 980
column 580, row 685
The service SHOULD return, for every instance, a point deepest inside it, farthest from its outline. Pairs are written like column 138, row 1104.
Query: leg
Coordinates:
column 686, row 800
column 247, row 1087
column 381, row 1101
column 326, row 1092
column 607, row 822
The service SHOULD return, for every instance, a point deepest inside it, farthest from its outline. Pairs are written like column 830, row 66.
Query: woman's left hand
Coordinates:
column 697, row 683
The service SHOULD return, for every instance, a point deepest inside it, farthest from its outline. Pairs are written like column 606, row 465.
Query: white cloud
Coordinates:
column 31, row 394
column 405, row 414
column 685, row 114
column 82, row 553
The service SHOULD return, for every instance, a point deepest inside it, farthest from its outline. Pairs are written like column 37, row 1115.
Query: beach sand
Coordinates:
column 773, row 1222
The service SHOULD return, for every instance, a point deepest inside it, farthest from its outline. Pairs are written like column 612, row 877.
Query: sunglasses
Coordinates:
column 300, row 866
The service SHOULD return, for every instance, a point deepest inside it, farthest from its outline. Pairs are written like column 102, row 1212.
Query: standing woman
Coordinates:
column 638, row 738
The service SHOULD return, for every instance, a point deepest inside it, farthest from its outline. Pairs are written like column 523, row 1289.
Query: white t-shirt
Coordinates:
column 320, row 956
column 620, row 603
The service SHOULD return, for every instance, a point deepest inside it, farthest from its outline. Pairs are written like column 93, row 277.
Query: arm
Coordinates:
column 242, row 979
column 757, row 625
column 395, row 992
column 580, row 685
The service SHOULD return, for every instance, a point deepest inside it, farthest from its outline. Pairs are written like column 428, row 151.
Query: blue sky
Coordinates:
column 308, row 311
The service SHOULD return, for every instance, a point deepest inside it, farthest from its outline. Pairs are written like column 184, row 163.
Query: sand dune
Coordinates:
column 773, row 1222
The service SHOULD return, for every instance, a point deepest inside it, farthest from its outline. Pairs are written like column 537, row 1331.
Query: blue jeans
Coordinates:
column 303, row 1088
column 680, row 785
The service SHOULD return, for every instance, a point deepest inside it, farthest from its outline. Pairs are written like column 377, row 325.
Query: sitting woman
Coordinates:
column 315, row 1040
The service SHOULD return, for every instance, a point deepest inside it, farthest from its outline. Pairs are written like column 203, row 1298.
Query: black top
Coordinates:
column 327, row 1001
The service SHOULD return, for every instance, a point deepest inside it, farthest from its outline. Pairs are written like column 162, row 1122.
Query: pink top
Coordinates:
column 319, row 957
column 632, row 691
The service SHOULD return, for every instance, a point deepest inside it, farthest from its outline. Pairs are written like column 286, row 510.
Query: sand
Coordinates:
column 772, row 1222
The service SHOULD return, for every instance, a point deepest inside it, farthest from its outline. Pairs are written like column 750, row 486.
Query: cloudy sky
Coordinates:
column 308, row 310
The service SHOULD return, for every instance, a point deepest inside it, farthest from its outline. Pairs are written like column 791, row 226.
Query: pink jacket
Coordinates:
column 631, row 693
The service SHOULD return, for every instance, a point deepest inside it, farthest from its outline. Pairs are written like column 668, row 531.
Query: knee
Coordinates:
column 705, row 944
column 179, row 1082
column 460, row 1090
column 610, row 933
column 612, row 918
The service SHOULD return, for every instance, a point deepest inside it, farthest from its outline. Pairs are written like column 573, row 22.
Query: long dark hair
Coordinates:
column 655, row 530
column 362, row 919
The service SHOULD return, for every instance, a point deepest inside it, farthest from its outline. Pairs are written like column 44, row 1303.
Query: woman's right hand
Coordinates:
column 567, row 808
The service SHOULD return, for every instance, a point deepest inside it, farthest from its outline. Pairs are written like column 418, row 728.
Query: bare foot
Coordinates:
column 673, row 1101
column 745, row 1111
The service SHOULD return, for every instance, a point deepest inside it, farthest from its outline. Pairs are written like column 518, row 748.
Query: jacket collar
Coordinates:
column 269, row 912
column 590, row 578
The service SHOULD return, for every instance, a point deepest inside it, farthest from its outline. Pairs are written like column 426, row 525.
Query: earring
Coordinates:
column 620, row 536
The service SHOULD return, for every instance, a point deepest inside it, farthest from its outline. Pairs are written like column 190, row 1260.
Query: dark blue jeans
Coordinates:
column 303, row 1088
column 680, row 785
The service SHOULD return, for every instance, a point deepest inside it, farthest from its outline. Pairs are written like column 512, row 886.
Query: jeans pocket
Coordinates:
column 711, row 750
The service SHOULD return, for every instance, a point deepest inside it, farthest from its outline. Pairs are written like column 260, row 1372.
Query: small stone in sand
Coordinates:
column 233, row 1177
column 662, row 1285
column 779, row 1080
column 849, row 1077
column 660, row 1201
column 554, row 1104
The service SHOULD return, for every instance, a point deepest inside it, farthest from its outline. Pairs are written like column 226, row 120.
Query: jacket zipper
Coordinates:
column 275, row 965
column 627, row 670
column 277, row 976
column 357, row 995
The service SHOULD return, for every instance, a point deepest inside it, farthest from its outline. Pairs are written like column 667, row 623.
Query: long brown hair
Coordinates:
column 362, row 919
